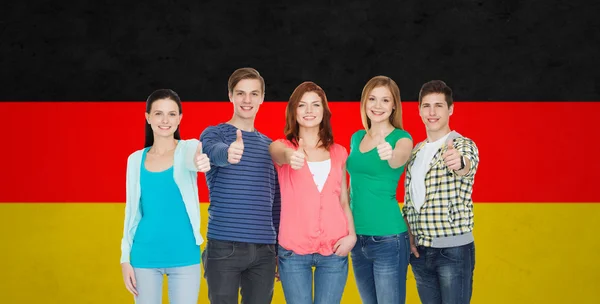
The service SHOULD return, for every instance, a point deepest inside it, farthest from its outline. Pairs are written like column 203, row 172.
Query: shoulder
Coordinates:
column 218, row 129
column 135, row 157
column 399, row 134
column 339, row 150
column 263, row 138
column 357, row 136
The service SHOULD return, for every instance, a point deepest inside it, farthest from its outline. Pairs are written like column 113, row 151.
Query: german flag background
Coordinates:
column 525, row 75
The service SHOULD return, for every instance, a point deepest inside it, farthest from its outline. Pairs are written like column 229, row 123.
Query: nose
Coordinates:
column 431, row 111
column 164, row 119
column 309, row 108
column 246, row 98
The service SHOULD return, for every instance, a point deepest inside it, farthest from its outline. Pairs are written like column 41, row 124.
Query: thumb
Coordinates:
column 239, row 136
column 450, row 144
column 199, row 149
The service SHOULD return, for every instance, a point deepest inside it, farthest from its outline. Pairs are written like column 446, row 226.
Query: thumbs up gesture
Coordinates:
column 236, row 149
column 201, row 160
column 296, row 157
column 384, row 148
column 452, row 157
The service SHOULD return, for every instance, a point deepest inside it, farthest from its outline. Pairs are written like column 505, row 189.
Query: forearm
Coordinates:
column 279, row 153
column 349, row 218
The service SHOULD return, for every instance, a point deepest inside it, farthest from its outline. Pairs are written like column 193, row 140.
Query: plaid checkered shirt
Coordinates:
column 448, row 207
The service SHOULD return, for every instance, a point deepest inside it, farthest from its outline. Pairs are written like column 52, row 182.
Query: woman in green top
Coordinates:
column 376, row 162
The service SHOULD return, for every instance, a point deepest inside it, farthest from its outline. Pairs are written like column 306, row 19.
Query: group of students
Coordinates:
column 283, row 210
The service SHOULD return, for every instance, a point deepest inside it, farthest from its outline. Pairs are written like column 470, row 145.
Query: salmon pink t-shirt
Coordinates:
column 312, row 221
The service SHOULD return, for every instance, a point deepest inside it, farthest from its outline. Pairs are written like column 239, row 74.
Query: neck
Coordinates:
column 376, row 127
column 435, row 135
column 163, row 145
column 310, row 136
column 244, row 124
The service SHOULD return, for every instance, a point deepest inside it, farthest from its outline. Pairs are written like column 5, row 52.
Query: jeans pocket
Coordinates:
column 218, row 250
column 271, row 248
column 385, row 238
column 284, row 253
column 454, row 254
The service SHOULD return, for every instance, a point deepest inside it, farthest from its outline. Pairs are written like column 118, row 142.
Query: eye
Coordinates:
column 301, row 105
column 173, row 114
column 371, row 98
column 386, row 100
column 239, row 94
column 255, row 94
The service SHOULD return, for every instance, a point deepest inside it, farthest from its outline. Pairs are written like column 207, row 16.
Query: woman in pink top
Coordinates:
column 316, row 228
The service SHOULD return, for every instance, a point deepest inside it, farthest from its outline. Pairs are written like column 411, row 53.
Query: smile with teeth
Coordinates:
column 377, row 112
column 309, row 117
column 432, row 120
column 246, row 108
column 164, row 127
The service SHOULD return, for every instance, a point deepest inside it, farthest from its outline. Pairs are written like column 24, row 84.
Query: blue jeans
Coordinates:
column 444, row 275
column 380, row 264
column 184, row 284
column 296, row 274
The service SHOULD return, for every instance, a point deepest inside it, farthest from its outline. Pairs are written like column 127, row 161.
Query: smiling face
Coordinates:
column 309, row 112
column 164, row 117
column 247, row 96
column 434, row 112
column 379, row 105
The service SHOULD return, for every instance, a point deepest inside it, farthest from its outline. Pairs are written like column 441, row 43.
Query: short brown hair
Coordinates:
column 436, row 87
column 390, row 84
column 244, row 73
column 292, row 129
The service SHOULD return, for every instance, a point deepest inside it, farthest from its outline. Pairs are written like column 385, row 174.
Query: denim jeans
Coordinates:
column 444, row 275
column 231, row 265
column 296, row 274
column 184, row 284
column 380, row 264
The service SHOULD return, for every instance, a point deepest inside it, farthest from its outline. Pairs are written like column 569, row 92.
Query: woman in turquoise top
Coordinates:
column 161, row 235
column 375, row 164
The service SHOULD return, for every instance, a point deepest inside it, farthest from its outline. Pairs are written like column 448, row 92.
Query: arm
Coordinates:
column 214, row 147
column 466, row 148
column 126, row 268
column 284, row 155
column 280, row 153
column 189, row 154
column 401, row 153
column 344, row 245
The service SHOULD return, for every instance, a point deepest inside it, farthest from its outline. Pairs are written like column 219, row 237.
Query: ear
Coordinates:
column 180, row 118
column 147, row 117
column 451, row 109
column 230, row 94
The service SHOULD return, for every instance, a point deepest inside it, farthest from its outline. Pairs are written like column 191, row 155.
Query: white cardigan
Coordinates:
column 186, row 178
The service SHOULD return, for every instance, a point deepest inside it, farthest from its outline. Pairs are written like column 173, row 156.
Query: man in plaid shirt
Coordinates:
column 438, row 206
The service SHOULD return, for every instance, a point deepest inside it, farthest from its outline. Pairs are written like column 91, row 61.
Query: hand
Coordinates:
column 413, row 247
column 452, row 157
column 129, row 278
column 384, row 148
column 277, row 278
column 344, row 245
column 236, row 149
column 201, row 160
column 296, row 157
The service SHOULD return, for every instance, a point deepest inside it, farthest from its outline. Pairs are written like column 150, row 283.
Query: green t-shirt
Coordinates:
column 373, row 185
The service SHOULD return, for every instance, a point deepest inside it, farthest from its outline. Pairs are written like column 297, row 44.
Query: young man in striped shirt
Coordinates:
column 438, row 206
column 244, row 200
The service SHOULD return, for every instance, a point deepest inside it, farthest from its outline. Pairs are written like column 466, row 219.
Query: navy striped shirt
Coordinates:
column 244, row 198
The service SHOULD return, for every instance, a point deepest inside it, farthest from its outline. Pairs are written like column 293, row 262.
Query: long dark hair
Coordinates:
column 157, row 95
